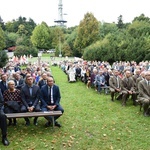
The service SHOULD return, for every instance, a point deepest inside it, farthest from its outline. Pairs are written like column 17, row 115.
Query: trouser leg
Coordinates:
column 124, row 99
column 3, row 125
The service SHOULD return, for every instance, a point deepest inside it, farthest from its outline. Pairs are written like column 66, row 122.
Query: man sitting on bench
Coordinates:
column 50, row 100
column 30, row 95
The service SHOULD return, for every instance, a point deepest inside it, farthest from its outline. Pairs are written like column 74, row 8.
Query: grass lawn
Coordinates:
column 90, row 122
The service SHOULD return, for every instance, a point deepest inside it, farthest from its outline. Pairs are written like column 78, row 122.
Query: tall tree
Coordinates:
column 40, row 36
column 120, row 24
column 2, row 39
column 88, row 32
column 3, row 55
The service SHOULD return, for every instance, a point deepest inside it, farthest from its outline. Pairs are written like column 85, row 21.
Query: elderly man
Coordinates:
column 50, row 100
column 115, row 85
column 100, row 81
column 144, row 93
column 128, row 88
column 3, row 122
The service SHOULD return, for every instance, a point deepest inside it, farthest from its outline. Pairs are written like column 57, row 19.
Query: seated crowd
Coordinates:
column 27, row 90
column 122, row 79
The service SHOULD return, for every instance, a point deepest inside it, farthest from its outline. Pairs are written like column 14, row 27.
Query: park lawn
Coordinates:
column 90, row 122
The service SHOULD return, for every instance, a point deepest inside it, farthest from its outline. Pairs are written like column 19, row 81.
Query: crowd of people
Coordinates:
column 124, row 80
column 31, row 89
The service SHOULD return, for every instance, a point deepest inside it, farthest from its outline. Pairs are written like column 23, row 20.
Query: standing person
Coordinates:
column 3, row 122
column 12, row 100
column 144, row 93
column 30, row 94
column 50, row 100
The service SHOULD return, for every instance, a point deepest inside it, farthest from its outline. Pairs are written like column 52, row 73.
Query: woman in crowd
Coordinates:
column 12, row 100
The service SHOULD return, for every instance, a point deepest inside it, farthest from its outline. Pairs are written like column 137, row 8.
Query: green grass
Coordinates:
column 90, row 122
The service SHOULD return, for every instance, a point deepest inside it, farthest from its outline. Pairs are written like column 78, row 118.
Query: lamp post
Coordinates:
column 60, row 55
column 39, row 58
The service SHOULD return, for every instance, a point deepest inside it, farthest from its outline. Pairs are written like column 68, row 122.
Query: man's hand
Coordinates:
column 30, row 109
column 51, row 107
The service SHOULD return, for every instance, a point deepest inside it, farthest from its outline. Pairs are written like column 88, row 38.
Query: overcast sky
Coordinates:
column 47, row 10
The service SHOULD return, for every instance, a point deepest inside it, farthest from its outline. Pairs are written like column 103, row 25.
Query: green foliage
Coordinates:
column 2, row 39
column 120, row 24
column 41, row 36
column 26, row 27
column 26, row 50
column 3, row 58
column 11, row 38
column 88, row 32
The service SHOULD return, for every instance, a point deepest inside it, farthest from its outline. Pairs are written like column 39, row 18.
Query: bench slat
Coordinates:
column 34, row 114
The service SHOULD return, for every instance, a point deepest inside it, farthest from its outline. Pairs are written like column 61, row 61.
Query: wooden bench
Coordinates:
column 36, row 114
column 105, row 88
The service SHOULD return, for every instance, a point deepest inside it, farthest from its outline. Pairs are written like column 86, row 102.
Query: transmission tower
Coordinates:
column 60, row 21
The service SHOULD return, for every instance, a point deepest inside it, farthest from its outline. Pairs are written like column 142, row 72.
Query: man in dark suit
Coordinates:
column 50, row 100
column 3, row 83
column 30, row 95
column 18, row 81
column 43, row 81
column 144, row 93
column 3, row 122
column 128, row 88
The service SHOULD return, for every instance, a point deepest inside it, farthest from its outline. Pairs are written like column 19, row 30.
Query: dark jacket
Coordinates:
column 1, row 102
column 28, row 99
column 45, row 99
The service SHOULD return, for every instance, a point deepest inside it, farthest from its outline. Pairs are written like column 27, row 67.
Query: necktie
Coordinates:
column 49, row 93
column 117, row 82
column 5, row 84
column 30, row 89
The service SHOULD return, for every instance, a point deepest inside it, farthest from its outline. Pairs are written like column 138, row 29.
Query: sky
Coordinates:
column 73, row 10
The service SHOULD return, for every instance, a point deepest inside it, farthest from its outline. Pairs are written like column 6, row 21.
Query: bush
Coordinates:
column 3, row 58
column 25, row 50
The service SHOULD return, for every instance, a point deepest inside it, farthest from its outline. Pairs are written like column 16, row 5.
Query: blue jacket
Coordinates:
column 45, row 98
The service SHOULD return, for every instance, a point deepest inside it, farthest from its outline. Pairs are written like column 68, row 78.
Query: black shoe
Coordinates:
column 47, row 124
column 57, row 124
column 112, row 100
column 5, row 141
column 27, row 123
column 35, row 122
column 146, row 114
column 14, row 122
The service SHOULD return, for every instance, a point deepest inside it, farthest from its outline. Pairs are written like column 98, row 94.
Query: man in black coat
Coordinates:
column 30, row 94
column 3, row 122
column 50, row 100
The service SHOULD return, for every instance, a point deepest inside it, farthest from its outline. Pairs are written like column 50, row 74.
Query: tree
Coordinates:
column 40, row 36
column 2, row 39
column 120, row 24
column 88, row 32
column 3, row 58
column 11, row 38
column 3, row 55
column 21, row 30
